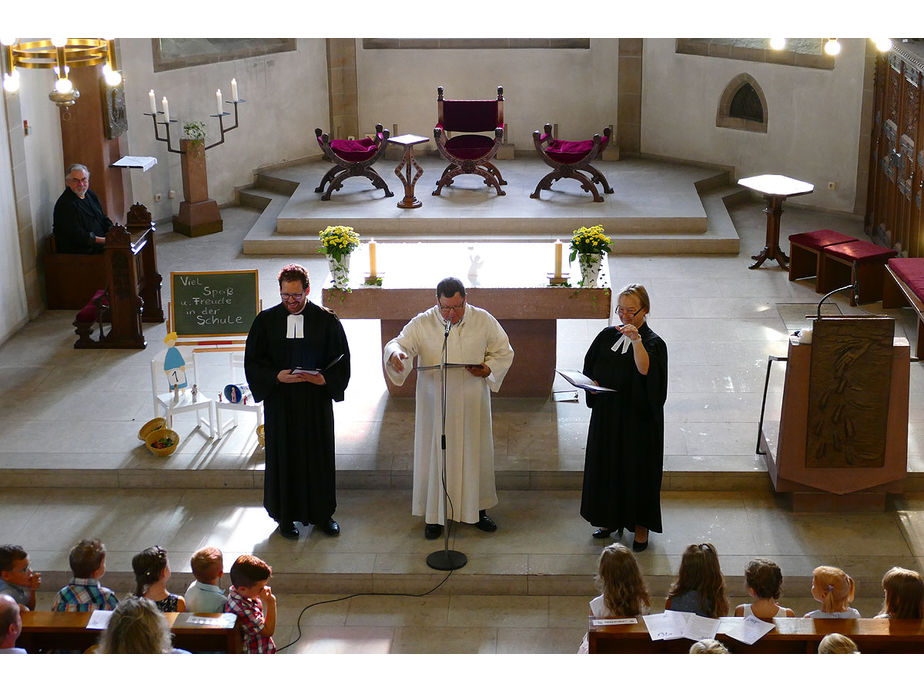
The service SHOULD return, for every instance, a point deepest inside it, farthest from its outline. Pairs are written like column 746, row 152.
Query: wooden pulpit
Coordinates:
column 843, row 430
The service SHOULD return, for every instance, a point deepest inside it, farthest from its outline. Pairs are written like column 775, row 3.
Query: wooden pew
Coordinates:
column 791, row 636
column 70, row 279
column 53, row 630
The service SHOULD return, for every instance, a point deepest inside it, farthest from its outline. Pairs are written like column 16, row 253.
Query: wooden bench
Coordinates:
column 903, row 285
column 790, row 636
column 53, row 630
column 805, row 250
column 860, row 263
column 71, row 279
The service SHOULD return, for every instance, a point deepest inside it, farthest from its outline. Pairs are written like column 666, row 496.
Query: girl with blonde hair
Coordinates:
column 835, row 590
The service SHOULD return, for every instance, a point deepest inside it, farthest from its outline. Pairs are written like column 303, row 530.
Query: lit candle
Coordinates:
column 166, row 110
column 153, row 102
column 218, row 101
column 372, row 258
column 234, row 89
column 558, row 247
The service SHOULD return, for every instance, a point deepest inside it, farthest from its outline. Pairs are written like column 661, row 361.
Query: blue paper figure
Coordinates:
column 174, row 364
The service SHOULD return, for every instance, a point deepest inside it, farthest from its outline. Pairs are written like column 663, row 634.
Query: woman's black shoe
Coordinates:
column 603, row 533
column 639, row 546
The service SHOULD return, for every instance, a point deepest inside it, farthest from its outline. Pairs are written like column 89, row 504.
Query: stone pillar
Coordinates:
column 342, row 90
column 629, row 91
column 198, row 214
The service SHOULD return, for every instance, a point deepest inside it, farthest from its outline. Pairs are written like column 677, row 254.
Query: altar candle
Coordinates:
column 558, row 247
column 372, row 258
column 234, row 89
column 153, row 102
column 166, row 110
column 218, row 101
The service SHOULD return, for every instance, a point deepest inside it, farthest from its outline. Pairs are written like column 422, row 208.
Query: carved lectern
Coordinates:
column 843, row 431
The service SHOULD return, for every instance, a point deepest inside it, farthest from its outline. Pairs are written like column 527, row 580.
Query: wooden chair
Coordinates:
column 469, row 153
column 568, row 158
column 352, row 158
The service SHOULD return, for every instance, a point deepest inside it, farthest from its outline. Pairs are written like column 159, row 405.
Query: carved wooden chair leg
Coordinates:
column 495, row 172
column 377, row 181
column 328, row 177
column 545, row 183
column 598, row 177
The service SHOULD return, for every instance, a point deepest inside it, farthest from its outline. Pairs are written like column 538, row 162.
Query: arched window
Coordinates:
column 742, row 106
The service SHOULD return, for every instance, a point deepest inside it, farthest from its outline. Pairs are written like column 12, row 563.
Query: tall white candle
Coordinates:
column 153, row 102
column 558, row 248
column 234, row 89
column 372, row 258
column 218, row 101
column 166, row 110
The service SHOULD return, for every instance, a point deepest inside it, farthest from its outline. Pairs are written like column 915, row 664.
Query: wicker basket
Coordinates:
column 159, row 434
column 261, row 435
column 151, row 425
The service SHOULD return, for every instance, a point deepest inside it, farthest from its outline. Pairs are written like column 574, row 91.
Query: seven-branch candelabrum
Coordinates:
column 166, row 120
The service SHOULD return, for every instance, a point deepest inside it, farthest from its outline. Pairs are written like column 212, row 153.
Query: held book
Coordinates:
column 581, row 381
column 315, row 371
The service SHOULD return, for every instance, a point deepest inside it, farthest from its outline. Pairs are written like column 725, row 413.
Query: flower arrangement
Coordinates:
column 339, row 241
column 194, row 130
column 589, row 240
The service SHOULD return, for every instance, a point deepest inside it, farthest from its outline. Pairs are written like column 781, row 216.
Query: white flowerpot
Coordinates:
column 340, row 271
column 590, row 268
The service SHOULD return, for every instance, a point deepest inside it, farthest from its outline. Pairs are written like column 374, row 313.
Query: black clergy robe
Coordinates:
column 625, row 441
column 299, row 418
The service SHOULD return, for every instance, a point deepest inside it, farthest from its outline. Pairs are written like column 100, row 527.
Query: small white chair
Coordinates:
column 164, row 404
column 236, row 363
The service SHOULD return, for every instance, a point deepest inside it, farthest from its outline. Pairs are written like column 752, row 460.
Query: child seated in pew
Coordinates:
column 835, row 590
column 16, row 578
column 904, row 594
column 204, row 593
column 151, row 574
column 254, row 603
column 137, row 626
column 84, row 592
column 835, row 643
column 622, row 587
column 764, row 581
column 700, row 585
column 708, row 646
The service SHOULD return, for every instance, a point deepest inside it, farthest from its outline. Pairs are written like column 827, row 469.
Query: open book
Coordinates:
column 580, row 380
column 315, row 371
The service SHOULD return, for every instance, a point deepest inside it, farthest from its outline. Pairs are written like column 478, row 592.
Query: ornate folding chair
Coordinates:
column 568, row 158
column 352, row 158
column 469, row 152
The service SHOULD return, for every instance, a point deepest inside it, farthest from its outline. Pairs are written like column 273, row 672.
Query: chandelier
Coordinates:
column 58, row 54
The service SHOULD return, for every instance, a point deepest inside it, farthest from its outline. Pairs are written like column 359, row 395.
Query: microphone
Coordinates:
column 448, row 326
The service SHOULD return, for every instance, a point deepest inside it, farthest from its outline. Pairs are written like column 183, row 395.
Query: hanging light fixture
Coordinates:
column 883, row 45
column 59, row 54
column 832, row 47
column 778, row 44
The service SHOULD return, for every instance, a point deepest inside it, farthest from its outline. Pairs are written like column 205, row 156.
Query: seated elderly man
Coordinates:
column 10, row 625
column 80, row 225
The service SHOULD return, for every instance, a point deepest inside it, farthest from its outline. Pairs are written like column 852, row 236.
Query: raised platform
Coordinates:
column 673, row 220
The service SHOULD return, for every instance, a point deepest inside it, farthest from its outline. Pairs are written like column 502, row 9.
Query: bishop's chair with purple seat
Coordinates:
column 352, row 158
column 469, row 152
column 568, row 158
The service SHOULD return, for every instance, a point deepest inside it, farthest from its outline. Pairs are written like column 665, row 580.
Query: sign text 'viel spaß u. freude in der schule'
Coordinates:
column 213, row 304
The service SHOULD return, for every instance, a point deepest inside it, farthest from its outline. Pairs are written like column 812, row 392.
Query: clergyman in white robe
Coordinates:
column 477, row 338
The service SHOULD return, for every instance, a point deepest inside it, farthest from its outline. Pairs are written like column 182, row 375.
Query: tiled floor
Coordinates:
column 71, row 466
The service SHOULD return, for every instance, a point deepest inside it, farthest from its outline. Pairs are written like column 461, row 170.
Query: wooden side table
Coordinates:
column 775, row 189
column 408, row 160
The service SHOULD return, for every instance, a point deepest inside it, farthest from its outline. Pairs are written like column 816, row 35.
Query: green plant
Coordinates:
column 338, row 241
column 589, row 240
column 194, row 130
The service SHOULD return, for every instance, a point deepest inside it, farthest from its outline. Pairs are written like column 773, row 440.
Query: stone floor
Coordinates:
column 71, row 466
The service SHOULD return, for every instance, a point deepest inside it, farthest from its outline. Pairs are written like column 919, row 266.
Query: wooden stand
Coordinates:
column 198, row 214
column 843, row 435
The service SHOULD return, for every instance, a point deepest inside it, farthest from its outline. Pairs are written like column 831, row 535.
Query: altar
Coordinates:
column 510, row 282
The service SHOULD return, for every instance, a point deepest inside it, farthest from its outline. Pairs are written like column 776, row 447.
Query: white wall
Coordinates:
column 813, row 125
column 286, row 96
column 575, row 88
column 13, row 310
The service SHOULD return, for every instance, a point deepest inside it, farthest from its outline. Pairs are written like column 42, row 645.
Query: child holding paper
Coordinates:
column 835, row 590
column 700, row 585
column 764, row 580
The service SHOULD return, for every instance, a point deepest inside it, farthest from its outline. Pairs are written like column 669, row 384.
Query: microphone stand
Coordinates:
column 853, row 287
column 445, row 559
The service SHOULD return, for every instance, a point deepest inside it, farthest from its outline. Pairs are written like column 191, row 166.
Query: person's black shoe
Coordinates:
column 603, row 533
column 485, row 523
column 433, row 531
column 639, row 546
column 288, row 530
column 330, row 528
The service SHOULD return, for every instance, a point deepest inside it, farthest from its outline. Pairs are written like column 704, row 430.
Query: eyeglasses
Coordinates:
column 628, row 312
column 79, row 180
column 446, row 310
column 291, row 297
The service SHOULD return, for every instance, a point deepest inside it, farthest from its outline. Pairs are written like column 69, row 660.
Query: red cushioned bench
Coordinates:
column 859, row 262
column 903, row 285
column 96, row 312
column 805, row 251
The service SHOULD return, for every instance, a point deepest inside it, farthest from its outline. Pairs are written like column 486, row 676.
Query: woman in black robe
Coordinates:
column 625, row 442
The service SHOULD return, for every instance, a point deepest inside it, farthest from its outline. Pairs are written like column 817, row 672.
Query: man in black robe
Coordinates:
column 80, row 225
column 299, row 336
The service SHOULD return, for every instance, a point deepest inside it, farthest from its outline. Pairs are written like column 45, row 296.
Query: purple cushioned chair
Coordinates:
column 352, row 158
column 469, row 152
column 568, row 158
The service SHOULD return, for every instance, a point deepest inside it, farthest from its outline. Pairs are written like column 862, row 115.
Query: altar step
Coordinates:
column 687, row 213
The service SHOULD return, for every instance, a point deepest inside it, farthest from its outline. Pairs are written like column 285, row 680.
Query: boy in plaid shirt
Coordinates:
column 254, row 603
column 83, row 592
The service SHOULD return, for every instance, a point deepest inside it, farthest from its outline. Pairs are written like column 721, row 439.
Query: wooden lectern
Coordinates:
column 843, row 432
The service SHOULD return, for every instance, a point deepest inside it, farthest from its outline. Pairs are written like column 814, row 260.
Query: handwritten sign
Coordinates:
column 213, row 304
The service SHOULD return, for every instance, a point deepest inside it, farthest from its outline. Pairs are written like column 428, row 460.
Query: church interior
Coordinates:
column 71, row 463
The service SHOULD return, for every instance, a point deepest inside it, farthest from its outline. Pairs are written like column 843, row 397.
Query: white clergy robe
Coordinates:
column 477, row 338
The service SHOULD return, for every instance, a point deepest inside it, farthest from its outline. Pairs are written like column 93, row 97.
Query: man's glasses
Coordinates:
column 628, row 312
column 446, row 310
column 79, row 180
column 291, row 297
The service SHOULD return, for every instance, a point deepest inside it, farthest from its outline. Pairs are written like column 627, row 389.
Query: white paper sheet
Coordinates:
column 748, row 630
column 99, row 619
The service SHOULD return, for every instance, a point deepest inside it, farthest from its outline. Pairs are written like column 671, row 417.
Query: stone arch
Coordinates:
column 743, row 105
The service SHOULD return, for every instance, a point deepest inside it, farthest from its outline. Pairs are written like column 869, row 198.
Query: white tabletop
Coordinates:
column 408, row 139
column 772, row 184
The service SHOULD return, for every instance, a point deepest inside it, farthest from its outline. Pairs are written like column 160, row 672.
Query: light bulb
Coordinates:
column 11, row 82
column 883, row 45
column 8, row 41
column 832, row 47
column 112, row 77
column 778, row 44
column 58, row 42
column 64, row 86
